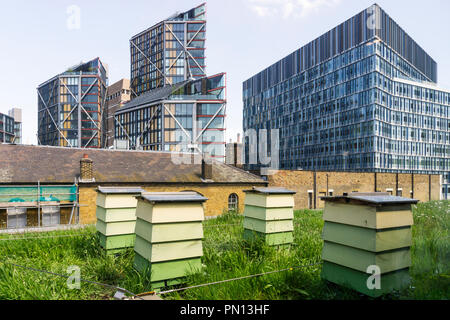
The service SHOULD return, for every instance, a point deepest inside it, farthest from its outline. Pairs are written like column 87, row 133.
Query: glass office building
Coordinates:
column 174, row 105
column 170, row 52
column 7, row 134
column 70, row 107
column 362, row 97
column 184, row 117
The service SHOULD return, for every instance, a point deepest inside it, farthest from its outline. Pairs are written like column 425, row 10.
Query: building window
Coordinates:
column 233, row 202
column 310, row 200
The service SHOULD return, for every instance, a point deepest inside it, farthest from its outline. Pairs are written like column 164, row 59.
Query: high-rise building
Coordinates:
column 184, row 117
column 118, row 95
column 362, row 97
column 170, row 52
column 16, row 114
column 71, row 106
column 7, row 134
column 175, row 106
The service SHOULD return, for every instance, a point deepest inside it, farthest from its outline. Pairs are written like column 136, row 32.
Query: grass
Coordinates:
column 226, row 256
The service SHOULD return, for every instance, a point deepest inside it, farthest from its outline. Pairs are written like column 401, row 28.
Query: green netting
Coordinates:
column 31, row 194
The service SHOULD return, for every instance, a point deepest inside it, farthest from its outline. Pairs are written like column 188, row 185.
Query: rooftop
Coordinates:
column 22, row 164
column 152, row 96
column 188, row 15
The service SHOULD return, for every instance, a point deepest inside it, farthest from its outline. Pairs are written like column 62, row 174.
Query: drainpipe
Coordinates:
column 315, row 190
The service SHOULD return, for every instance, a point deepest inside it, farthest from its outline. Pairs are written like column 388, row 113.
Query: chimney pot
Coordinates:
column 207, row 167
column 86, row 169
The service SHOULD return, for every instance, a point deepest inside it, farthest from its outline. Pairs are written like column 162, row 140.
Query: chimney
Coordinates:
column 207, row 167
column 86, row 169
column 238, row 138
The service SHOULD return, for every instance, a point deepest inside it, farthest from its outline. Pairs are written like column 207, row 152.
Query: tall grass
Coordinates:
column 226, row 256
column 430, row 271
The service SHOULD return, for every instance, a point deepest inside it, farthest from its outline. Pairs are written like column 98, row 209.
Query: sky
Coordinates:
column 41, row 39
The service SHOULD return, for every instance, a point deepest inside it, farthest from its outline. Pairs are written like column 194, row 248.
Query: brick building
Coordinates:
column 153, row 171
column 118, row 95
column 310, row 185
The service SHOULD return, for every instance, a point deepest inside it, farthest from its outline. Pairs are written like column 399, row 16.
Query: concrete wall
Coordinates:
column 308, row 196
column 216, row 205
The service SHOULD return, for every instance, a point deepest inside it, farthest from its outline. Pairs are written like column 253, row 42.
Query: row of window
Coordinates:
column 118, row 94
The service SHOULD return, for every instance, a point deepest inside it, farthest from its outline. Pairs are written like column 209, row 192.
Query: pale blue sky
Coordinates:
column 243, row 37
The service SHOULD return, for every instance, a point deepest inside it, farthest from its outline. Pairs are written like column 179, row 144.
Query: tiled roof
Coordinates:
column 30, row 164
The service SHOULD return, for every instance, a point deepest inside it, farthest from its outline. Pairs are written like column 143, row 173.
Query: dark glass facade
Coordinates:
column 362, row 97
column 70, row 107
column 170, row 52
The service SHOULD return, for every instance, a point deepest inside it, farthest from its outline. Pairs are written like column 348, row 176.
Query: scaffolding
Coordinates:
column 38, row 206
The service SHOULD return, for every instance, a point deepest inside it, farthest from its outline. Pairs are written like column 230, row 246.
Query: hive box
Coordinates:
column 169, row 234
column 116, row 217
column 364, row 230
column 269, row 215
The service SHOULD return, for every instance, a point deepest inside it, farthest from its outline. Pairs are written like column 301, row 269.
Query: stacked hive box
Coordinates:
column 116, row 217
column 169, row 234
column 269, row 215
column 364, row 230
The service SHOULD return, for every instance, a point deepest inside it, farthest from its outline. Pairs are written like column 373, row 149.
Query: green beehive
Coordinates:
column 366, row 230
column 116, row 217
column 169, row 234
column 269, row 215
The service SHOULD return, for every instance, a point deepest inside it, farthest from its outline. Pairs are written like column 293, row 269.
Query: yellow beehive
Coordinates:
column 116, row 217
column 169, row 234
column 269, row 214
column 366, row 231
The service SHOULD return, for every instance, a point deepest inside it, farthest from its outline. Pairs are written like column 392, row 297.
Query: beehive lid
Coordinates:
column 160, row 197
column 272, row 190
column 120, row 190
column 371, row 198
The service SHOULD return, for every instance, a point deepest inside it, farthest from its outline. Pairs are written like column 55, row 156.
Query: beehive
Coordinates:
column 269, row 214
column 116, row 217
column 169, row 234
column 364, row 230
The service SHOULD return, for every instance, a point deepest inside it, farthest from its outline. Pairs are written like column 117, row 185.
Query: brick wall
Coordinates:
column 216, row 205
column 346, row 182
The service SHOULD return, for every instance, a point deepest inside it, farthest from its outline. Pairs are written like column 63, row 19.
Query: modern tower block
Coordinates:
column 116, row 217
column 367, row 240
column 269, row 214
column 169, row 234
